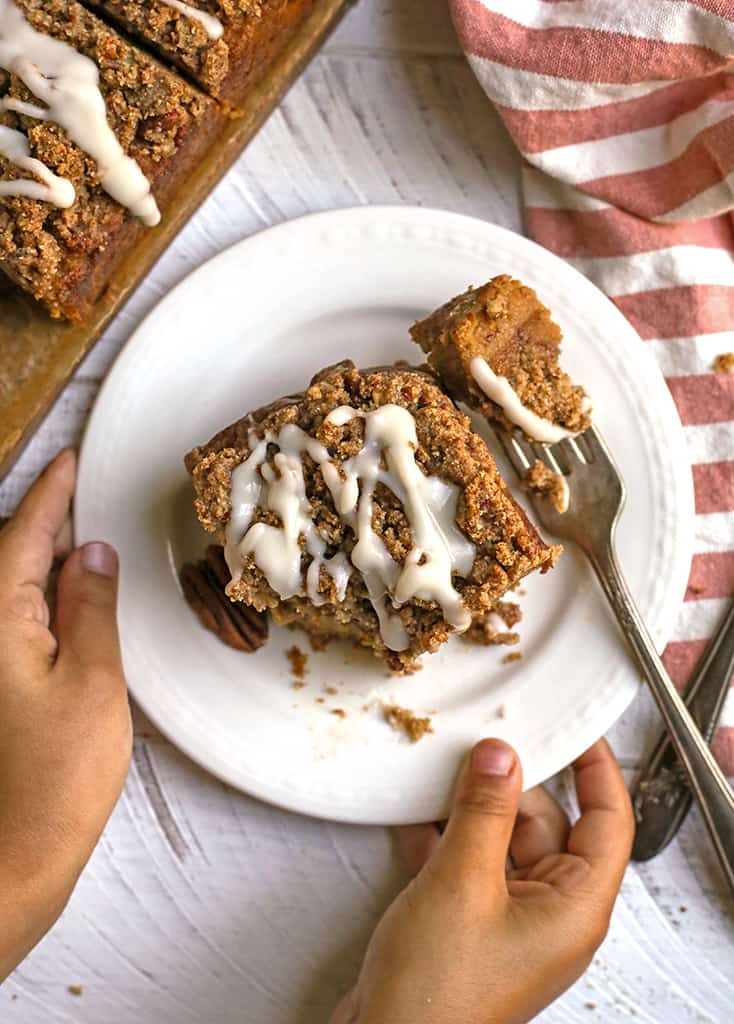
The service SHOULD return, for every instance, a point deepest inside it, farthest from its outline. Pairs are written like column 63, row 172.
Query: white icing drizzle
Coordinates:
column 68, row 83
column 51, row 189
column 211, row 25
column 277, row 549
column 500, row 391
column 439, row 547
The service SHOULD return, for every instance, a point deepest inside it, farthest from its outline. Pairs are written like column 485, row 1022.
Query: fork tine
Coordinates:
column 571, row 452
column 552, row 456
column 596, row 445
column 515, row 455
column 527, row 448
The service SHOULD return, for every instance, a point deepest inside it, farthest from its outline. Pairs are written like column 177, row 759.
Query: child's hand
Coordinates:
column 468, row 943
column 65, row 732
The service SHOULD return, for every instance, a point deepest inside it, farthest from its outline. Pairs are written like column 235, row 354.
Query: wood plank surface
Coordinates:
column 200, row 904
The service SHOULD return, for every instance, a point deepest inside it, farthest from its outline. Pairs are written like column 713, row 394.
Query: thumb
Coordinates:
column 477, row 837
column 347, row 1011
column 86, row 612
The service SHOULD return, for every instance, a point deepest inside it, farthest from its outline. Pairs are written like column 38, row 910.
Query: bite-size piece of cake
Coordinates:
column 496, row 348
column 365, row 508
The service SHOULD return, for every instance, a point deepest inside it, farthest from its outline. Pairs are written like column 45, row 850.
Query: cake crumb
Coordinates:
column 495, row 628
column 414, row 727
column 724, row 363
column 332, row 691
column 298, row 685
column 539, row 479
column 318, row 643
column 502, row 711
column 365, row 707
column 321, row 700
column 512, row 656
column 590, row 1006
column 298, row 661
column 75, row 990
column 509, row 612
column 339, row 712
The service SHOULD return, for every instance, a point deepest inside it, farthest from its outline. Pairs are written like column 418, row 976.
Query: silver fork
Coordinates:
column 596, row 498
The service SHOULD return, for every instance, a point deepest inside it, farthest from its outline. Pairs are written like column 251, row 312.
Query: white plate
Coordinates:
column 257, row 322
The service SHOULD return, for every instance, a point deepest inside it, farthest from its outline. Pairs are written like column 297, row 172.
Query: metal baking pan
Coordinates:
column 38, row 355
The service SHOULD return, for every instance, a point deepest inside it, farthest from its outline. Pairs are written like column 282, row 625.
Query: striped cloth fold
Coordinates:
column 624, row 114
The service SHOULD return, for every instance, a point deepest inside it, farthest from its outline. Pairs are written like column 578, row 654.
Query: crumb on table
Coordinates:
column 414, row 727
column 339, row 712
column 512, row 656
column 332, row 691
column 724, row 363
column 75, row 990
column 298, row 661
column 298, row 685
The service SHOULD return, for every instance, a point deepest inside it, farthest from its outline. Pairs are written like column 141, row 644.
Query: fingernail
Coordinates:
column 100, row 558
column 492, row 757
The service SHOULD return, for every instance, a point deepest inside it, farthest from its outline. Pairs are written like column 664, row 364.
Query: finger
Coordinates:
column 86, row 614
column 27, row 541
column 347, row 1010
column 477, row 837
column 417, row 843
column 64, row 544
column 604, row 832
column 542, row 828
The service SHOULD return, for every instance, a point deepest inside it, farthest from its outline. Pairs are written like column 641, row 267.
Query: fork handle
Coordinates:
column 662, row 796
column 707, row 782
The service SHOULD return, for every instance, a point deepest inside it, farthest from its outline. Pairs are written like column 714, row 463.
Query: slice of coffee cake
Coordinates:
column 365, row 508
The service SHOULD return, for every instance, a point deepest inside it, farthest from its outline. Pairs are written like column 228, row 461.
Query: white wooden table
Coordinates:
column 200, row 904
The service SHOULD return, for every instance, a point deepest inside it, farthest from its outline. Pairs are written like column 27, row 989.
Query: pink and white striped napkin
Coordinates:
column 624, row 113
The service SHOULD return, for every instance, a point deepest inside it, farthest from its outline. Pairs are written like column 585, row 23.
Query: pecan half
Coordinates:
column 235, row 624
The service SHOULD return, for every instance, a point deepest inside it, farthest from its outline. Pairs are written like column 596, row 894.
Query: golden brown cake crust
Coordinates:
column 65, row 257
column 505, row 324
column 507, row 546
column 255, row 32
